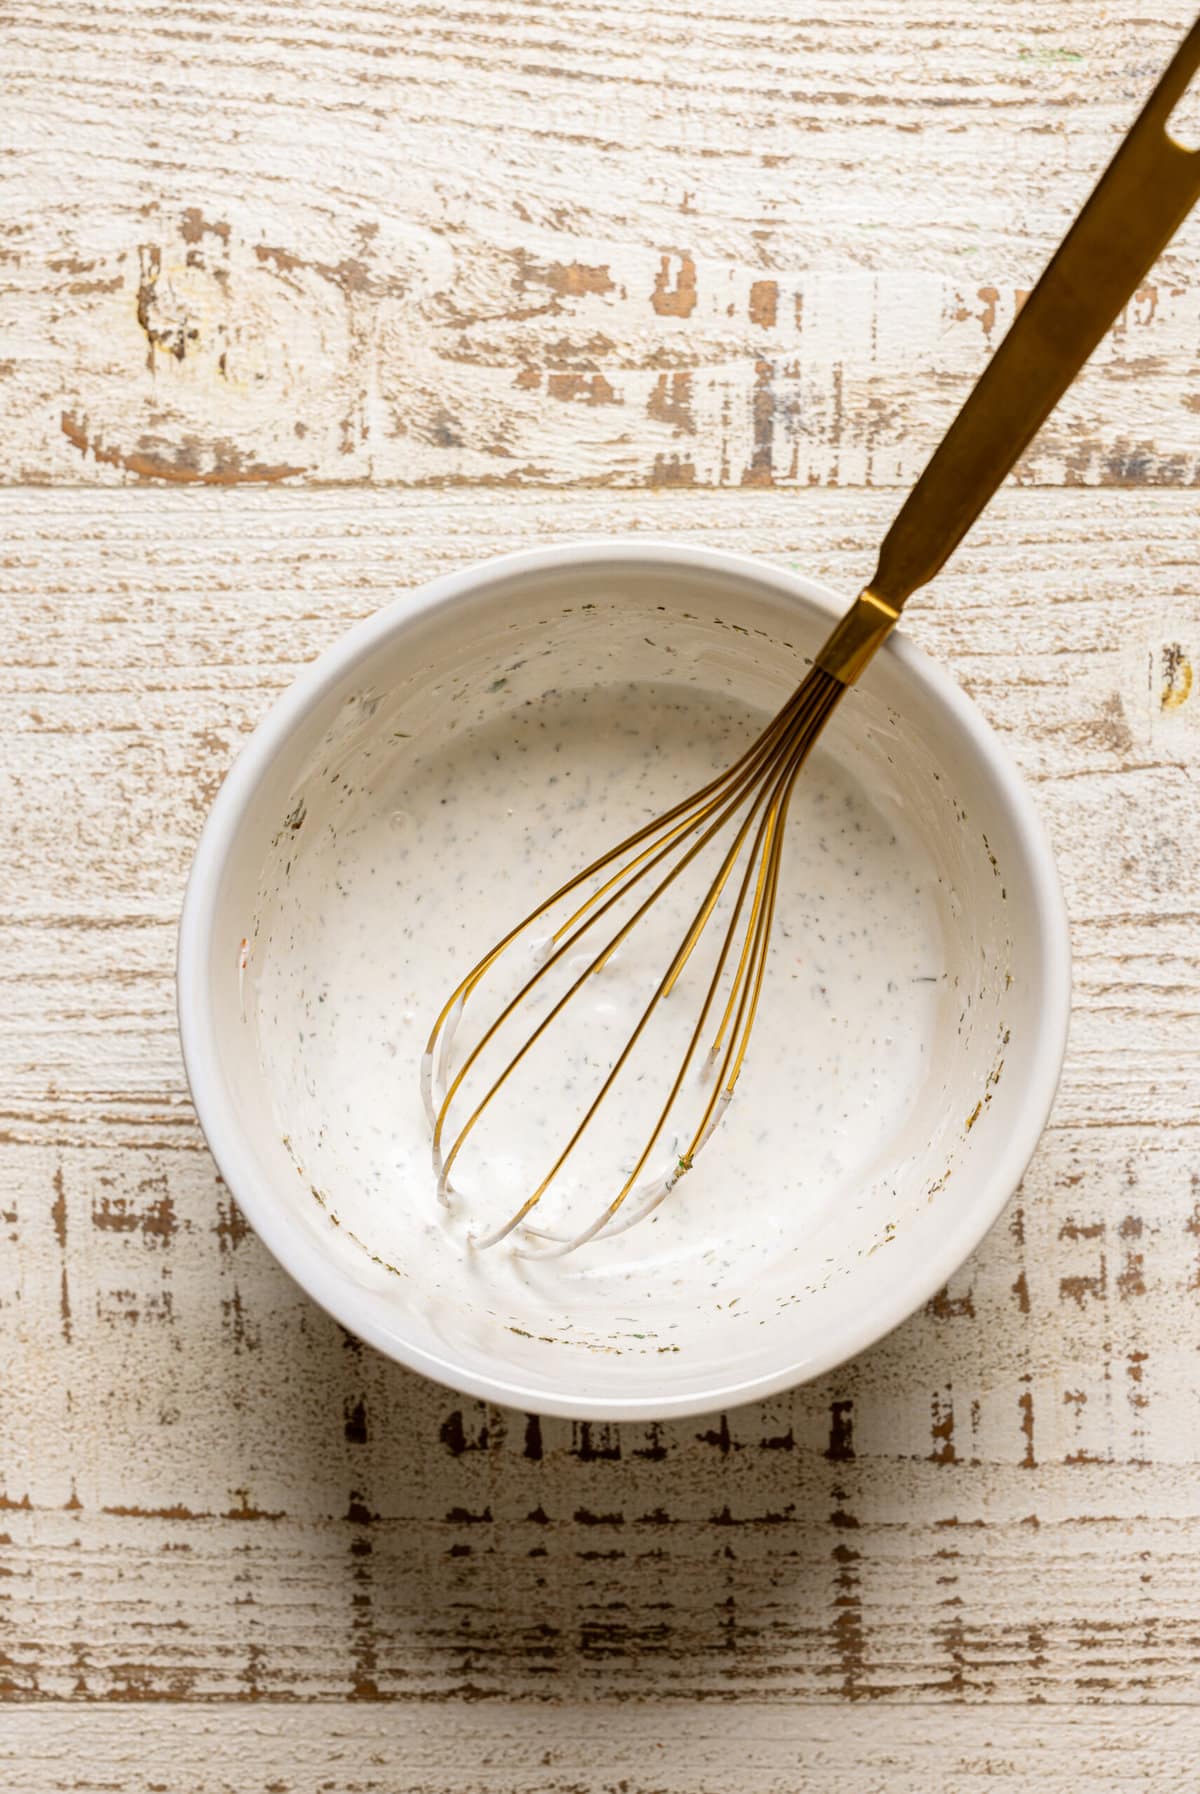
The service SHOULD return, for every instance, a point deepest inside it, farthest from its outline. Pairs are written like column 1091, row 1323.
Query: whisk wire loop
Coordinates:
column 760, row 781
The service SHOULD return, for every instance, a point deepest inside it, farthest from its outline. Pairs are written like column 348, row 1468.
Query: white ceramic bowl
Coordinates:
column 994, row 1069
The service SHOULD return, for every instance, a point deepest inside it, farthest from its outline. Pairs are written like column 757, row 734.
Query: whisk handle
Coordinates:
column 1140, row 201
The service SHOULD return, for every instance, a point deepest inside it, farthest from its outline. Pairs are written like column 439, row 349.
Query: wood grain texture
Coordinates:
column 582, row 243
column 670, row 1749
column 213, row 1494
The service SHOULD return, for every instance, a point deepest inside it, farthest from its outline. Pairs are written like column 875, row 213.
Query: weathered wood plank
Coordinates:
column 142, row 654
column 668, row 1749
column 590, row 243
column 211, row 1494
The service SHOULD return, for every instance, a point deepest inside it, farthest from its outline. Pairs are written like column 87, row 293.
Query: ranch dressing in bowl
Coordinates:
column 439, row 852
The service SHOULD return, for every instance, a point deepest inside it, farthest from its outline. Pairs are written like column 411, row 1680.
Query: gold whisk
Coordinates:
column 1140, row 201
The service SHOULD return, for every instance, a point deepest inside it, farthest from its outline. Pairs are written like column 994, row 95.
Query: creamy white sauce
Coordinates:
column 410, row 858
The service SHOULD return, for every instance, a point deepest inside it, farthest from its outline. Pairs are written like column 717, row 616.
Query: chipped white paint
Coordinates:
column 670, row 1748
column 571, row 246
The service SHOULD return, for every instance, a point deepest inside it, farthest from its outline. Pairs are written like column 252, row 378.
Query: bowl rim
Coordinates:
column 234, row 1153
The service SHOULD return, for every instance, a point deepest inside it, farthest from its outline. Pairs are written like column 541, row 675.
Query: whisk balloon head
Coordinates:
column 662, row 943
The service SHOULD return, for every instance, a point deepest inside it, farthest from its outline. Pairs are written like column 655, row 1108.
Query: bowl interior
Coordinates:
column 906, row 1064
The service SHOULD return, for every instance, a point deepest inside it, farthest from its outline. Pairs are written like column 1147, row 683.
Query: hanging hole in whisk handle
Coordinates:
column 1183, row 121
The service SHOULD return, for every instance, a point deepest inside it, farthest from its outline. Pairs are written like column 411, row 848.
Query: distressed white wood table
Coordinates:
column 303, row 303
